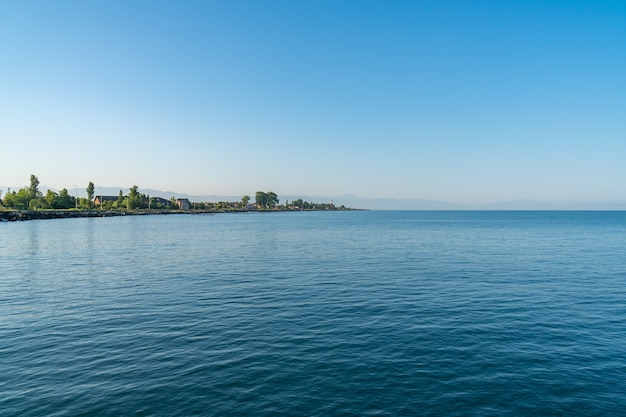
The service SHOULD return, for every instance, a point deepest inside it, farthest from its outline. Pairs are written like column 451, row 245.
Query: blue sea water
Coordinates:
column 361, row 313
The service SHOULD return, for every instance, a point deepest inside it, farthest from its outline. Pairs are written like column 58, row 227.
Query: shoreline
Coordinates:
column 24, row 215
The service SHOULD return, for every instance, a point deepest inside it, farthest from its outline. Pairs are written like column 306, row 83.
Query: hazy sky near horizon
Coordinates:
column 459, row 101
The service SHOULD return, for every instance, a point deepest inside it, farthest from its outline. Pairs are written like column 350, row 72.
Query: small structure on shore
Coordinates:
column 101, row 198
column 183, row 204
column 162, row 201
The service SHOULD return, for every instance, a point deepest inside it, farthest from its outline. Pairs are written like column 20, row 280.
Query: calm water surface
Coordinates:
column 315, row 314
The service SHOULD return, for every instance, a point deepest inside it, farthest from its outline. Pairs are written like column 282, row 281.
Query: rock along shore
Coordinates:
column 19, row 215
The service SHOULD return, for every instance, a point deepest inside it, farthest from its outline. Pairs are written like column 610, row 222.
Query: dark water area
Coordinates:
column 315, row 313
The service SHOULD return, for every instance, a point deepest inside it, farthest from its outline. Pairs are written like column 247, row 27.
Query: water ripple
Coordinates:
column 364, row 313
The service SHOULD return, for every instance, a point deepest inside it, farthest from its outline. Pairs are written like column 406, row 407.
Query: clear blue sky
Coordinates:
column 459, row 101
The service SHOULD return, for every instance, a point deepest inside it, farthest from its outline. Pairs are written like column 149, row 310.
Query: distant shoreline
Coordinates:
column 23, row 215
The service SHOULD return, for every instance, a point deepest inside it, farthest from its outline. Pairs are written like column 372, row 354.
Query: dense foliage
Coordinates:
column 31, row 198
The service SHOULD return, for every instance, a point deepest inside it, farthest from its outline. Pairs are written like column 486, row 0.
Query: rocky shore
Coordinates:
column 19, row 215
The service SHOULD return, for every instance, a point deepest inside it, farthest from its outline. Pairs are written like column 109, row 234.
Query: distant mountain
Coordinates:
column 424, row 204
column 550, row 205
column 352, row 201
column 44, row 189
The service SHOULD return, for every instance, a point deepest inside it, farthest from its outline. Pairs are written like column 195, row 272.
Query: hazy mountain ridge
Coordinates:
column 353, row 201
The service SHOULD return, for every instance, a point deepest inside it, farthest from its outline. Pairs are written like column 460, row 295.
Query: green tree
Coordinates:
column 90, row 193
column 272, row 199
column 84, row 203
column 51, row 199
column 119, row 203
column 133, row 198
column 65, row 200
column 18, row 200
column 245, row 200
column 33, row 190
column 35, row 203
column 9, row 199
column 25, row 198
column 142, row 201
column 261, row 199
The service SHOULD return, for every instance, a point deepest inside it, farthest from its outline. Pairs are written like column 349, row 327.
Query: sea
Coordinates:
column 342, row 313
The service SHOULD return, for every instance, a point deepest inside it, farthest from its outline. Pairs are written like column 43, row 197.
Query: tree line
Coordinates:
column 269, row 201
column 32, row 198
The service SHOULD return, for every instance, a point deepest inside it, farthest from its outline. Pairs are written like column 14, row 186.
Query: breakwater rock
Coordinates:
column 19, row 215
